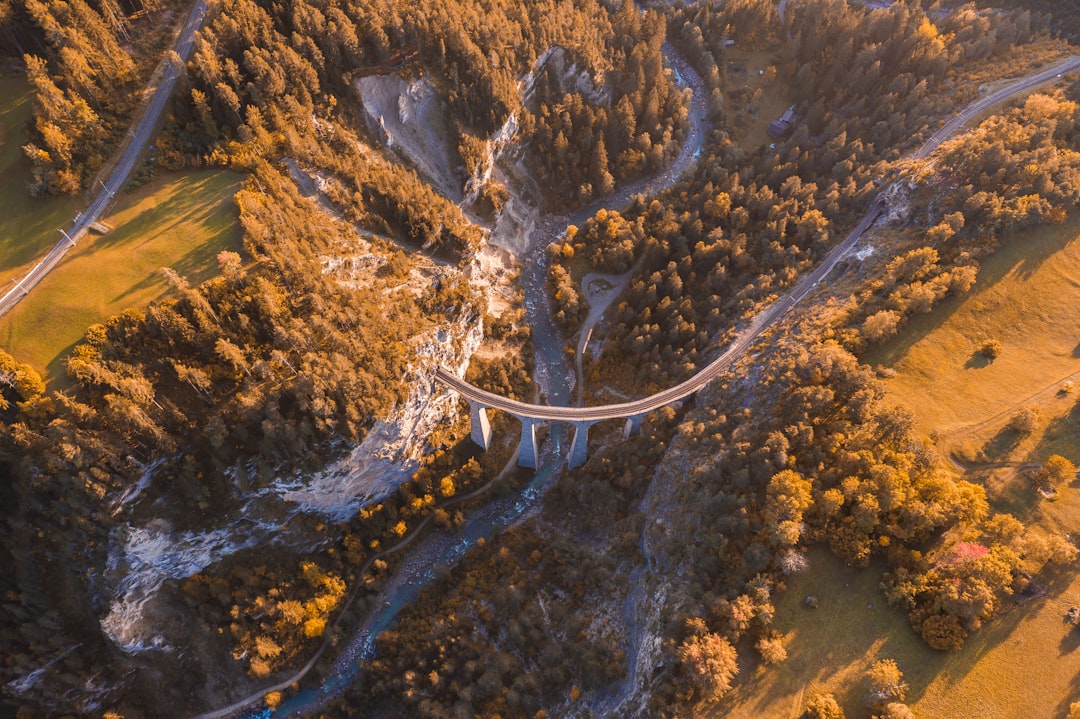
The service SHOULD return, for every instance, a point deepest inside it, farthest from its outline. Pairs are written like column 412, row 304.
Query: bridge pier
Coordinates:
column 528, row 453
column 579, row 448
column 480, row 427
column 633, row 425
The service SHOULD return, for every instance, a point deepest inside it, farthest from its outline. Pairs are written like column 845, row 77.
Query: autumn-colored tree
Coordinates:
column 823, row 706
column 886, row 682
column 709, row 663
column 1056, row 472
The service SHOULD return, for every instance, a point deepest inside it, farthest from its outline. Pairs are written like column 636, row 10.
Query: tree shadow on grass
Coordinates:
column 1062, row 708
column 56, row 375
column 196, row 266
column 977, row 360
column 1049, row 240
column 204, row 206
column 1015, row 257
column 1062, row 436
column 196, row 201
column 1070, row 641
column 1001, row 445
column 956, row 665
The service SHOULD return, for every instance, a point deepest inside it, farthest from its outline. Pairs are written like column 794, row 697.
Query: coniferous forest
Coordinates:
column 359, row 274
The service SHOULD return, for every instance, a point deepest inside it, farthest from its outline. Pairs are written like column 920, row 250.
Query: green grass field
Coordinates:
column 178, row 220
column 28, row 226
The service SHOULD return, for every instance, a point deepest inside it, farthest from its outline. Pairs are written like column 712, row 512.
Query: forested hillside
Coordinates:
column 581, row 149
column 646, row 582
column 750, row 221
column 280, row 363
column 1065, row 16
column 86, row 61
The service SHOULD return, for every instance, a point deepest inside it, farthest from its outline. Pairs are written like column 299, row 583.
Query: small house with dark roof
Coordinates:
column 779, row 128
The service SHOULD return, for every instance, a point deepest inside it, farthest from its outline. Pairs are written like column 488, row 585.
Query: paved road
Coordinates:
column 598, row 301
column 137, row 139
column 767, row 318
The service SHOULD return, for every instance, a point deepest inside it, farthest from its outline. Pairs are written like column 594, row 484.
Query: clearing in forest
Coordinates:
column 755, row 95
column 177, row 220
column 1027, row 660
column 1027, row 297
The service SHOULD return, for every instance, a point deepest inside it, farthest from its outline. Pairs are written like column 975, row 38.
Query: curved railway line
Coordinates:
column 637, row 408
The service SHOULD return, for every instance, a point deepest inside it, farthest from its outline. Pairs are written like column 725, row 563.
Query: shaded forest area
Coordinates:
column 260, row 367
column 1065, row 14
column 275, row 365
column 86, row 61
column 579, row 148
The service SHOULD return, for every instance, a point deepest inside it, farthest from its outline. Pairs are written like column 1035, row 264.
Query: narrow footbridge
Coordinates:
column 581, row 418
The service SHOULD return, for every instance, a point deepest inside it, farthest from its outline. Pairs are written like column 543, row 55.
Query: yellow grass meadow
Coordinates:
column 177, row 220
column 1026, row 662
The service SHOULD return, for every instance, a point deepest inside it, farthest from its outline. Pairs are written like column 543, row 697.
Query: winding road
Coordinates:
column 137, row 139
column 770, row 316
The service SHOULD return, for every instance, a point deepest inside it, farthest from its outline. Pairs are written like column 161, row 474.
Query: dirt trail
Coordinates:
column 949, row 437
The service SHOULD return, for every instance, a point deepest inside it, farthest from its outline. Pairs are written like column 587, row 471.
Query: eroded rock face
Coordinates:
column 148, row 621
column 391, row 451
column 407, row 116
column 495, row 146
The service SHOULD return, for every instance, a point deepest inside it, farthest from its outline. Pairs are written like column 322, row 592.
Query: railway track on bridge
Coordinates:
column 530, row 414
column 680, row 391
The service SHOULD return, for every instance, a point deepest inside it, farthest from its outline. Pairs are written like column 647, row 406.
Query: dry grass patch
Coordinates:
column 1025, row 662
column 830, row 647
column 742, row 80
column 1027, row 297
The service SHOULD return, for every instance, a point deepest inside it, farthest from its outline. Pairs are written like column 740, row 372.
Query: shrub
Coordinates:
column 772, row 650
column 880, row 326
column 823, row 706
column 1057, row 471
column 895, row 710
column 1024, row 421
column 710, row 663
column 886, row 682
column 990, row 349
column 943, row 632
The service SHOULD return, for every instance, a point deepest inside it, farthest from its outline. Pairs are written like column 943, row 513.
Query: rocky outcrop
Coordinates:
column 392, row 450
column 407, row 116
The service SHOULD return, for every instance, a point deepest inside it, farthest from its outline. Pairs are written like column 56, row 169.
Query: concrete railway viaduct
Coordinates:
column 581, row 418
